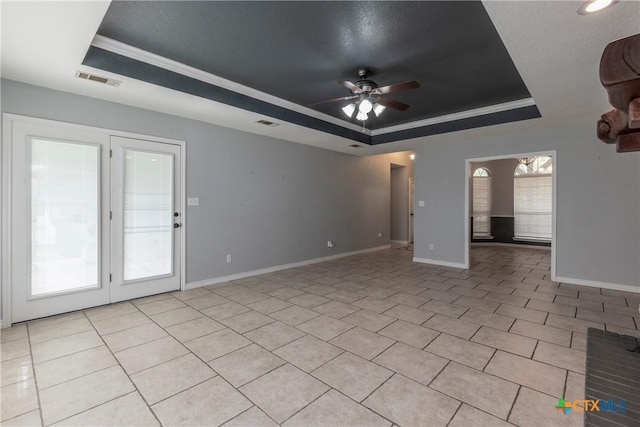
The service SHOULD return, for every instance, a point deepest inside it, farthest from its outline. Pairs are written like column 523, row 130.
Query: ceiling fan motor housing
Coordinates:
column 365, row 85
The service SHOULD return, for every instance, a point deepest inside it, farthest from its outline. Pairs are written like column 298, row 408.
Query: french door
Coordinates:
column 146, row 222
column 92, row 218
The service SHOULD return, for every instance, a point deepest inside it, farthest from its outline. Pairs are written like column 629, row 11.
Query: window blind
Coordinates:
column 533, row 206
column 481, row 206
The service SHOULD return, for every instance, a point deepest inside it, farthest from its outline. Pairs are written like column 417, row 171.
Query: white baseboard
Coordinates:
column 593, row 284
column 400, row 242
column 438, row 262
column 511, row 245
column 224, row 279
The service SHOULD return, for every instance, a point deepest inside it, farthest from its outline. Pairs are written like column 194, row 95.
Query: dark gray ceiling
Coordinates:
column 298, row 50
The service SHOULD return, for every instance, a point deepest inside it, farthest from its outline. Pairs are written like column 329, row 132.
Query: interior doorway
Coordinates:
column 513, row 194
column 400, row 227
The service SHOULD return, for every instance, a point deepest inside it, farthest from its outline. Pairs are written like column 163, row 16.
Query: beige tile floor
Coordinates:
column 366, row 340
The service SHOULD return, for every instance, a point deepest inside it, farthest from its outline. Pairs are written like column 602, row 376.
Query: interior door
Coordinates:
column 59, row 239
column 146, row 221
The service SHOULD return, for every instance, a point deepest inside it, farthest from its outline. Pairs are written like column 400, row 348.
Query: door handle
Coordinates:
column 176, row 225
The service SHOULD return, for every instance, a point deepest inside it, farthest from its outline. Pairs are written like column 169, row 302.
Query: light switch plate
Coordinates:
column 193, row 201
column 421, row 203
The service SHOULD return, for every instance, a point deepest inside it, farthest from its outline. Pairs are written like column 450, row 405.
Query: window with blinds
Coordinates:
column 533, row 188
column 481, row 203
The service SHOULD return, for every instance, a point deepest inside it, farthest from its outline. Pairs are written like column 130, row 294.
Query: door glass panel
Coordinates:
column 148, row 216
column 64, row 216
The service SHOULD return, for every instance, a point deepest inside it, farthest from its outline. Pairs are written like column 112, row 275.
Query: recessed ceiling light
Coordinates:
column 594, row 6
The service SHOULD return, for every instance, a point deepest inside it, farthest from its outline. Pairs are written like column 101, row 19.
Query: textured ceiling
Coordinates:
column 297, row 51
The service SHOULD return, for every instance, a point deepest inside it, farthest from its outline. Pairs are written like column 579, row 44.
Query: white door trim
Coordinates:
column 6, row 171
column 411, row 198
column 122, row 289
column 554, row 204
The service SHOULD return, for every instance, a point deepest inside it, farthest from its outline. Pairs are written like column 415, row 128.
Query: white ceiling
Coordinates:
column 556, row 51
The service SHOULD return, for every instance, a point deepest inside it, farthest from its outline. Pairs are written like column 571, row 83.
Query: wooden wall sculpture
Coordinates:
column 620, row 76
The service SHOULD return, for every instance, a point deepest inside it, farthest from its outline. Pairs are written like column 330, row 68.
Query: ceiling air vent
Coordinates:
column 99, row 79
column 267, row 123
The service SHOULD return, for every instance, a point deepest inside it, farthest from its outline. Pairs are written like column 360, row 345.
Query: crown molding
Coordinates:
column 490, row 109
column 147, row 57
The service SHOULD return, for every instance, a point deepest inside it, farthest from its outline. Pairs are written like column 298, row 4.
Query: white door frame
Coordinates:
column 554, row 204
column 8, row 119
column 411, row 197
column 122, row 289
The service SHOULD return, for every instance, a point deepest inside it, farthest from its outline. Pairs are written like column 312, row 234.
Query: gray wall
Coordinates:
column 598, row 196
column 267, row 202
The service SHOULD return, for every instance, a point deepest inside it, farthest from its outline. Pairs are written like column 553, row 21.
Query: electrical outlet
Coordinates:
column 228, row 257
column 329, row 243
column 379, row 235
column 430, row 246
column 421, row 203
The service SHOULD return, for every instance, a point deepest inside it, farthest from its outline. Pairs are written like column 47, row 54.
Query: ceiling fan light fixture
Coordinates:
column 526, row 160
column 365, row 106
column 349, row 109
column 367, row 96
column 378, row 109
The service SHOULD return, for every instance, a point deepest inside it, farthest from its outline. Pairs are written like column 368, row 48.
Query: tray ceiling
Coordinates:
column 295, row 52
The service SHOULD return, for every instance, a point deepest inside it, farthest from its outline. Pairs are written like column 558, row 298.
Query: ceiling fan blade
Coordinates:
column 399, row 86
column 352, row 87
column 342, row 98
column 391, row 103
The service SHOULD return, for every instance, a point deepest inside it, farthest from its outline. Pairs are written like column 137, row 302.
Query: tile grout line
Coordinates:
column 566, row 384
column 495, row 351
column 439, row 372
column 460, row 403
column 471, row 405
column 513, row 404
column 306, row 406
column 135, row 386
column 97, row 406
column 35, row 378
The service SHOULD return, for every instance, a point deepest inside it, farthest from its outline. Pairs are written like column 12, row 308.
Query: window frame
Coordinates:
column 481, row 174
column 533, row 171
